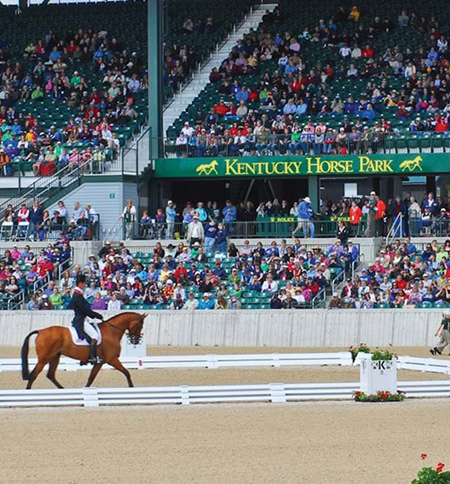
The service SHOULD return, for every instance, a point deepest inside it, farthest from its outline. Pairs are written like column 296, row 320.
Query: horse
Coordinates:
column 55, row 341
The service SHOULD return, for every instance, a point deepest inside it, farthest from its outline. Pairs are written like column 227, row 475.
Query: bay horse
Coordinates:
column 55, row 341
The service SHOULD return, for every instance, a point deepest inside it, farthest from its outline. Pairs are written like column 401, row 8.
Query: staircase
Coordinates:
column 45, row 188
column 201, row 78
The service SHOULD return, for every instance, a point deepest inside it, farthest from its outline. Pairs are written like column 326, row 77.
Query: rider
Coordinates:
column 82, row 310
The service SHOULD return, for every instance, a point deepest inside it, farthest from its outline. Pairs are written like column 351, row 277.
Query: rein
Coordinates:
column 112, row 325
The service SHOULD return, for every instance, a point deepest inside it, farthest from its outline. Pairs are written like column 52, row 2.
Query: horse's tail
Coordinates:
column 25, row 369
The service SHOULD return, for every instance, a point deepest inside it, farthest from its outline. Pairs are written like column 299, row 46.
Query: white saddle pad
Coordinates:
column 82, row 342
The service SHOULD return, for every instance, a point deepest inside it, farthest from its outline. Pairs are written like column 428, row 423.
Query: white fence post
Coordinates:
column 276, row 360
column 184, row 390
column 212, row 361
column 277, row 392
column 90, row 397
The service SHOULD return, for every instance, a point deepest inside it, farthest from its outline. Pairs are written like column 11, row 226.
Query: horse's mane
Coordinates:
column 122, row 314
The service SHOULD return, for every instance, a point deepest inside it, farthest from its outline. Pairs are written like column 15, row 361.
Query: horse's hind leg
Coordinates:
column 95, row 369
column 52, row 371
column 34, row 374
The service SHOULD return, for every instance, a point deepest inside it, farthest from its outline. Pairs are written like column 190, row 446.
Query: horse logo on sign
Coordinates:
column 412, row 165
column 208, row 168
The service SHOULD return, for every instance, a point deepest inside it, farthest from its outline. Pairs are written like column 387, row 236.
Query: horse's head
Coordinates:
column 135, row 327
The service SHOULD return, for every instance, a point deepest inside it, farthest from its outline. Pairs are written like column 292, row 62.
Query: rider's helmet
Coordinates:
column 81, row 278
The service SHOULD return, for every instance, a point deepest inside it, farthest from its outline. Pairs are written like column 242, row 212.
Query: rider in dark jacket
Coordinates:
column 82, row 310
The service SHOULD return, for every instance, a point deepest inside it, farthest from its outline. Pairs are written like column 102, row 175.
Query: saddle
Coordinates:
column 82, row 342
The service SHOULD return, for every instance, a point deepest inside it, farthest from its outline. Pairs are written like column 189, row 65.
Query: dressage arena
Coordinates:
column 309, row 442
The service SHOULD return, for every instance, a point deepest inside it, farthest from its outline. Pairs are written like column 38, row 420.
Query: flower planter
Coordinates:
column 378, row 375
column 129, row 349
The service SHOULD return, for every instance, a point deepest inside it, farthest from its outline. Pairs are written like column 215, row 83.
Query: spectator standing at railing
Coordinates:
column 171, row 215
column 432, row 204
column 380, row 217
column 36, row 215
column 129, row 218
column 195, row 232
column 210, row 236
column 23, row 215
column 305, row 216
column 355, row 215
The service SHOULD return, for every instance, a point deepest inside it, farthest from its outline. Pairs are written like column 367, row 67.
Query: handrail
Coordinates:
column 61, row 179
column 116, row 229
column 15, row 301
column 398, row 223
column 318, row 299
column 337, row 280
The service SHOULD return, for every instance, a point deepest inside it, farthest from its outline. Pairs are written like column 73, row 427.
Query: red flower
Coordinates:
column 440, row 467
column 423, row 455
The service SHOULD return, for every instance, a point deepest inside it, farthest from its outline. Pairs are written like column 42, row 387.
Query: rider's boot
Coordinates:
column 93, row 352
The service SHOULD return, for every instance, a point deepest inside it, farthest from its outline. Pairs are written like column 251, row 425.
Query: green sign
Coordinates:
column 378, row 164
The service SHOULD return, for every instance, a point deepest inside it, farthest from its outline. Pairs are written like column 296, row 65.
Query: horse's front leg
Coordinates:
column 95, row 369
column 118, row 366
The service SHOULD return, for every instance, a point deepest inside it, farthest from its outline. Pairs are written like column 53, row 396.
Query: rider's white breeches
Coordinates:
column 90, row 331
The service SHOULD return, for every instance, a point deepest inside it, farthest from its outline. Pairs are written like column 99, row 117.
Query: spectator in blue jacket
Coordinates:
column 36, row 215
column 432, row 204
column 171, row 215
column 206, row 302
column 219, row 271
column 229, row 216
column 305, row 214
column 221, row 238
column 210, row 236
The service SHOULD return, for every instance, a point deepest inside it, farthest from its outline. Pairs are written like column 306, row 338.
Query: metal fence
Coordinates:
column 279, row 145
column 24, row 231
column 260, row 228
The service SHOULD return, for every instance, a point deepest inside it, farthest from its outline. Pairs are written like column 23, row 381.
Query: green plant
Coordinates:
column 430, row 475
column 354, row 350
column 380, row 396
column 382, row 355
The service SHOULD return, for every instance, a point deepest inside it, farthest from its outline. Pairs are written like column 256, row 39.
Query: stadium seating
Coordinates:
column 315, row 54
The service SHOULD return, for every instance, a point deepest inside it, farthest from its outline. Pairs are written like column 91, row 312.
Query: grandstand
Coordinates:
column 328, row 113
column 247, row 189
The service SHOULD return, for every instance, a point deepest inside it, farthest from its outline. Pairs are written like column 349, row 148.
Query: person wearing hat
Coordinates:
column 305, row 214
column 442, row 223
column 83, row 310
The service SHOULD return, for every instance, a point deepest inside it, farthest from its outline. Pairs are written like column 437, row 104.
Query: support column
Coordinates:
column 313, row 191
column 431, row 184
column 155, row 87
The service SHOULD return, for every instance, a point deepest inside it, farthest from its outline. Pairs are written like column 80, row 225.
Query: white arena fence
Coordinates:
column 274, row 360
column 312, row 328
column 185, row 395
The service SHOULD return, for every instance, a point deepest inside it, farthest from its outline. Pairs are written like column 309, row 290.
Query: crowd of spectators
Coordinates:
column 401, row 276
column 270, row 118
column 24, row 272
column 57, row 65
column 186, row 278
column 368, row 216
column 36, row 224
column 180, row 60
